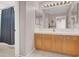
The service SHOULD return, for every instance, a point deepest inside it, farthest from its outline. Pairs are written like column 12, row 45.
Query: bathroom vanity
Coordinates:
column 60, row 42
column 58, row 30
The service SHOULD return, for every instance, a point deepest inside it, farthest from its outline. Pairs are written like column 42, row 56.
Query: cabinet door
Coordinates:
column 59, row 43
column 53, row 42
column 78, row 45
column 38, row 41
column 46, row 42
column 70, row 45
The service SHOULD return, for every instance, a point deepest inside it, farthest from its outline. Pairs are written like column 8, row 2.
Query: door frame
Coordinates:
column 17, row 49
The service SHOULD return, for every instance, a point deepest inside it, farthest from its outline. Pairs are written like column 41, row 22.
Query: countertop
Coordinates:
column 74, row 32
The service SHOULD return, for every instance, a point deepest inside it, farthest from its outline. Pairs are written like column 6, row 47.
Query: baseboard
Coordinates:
column 11, row 46
column 28, row 55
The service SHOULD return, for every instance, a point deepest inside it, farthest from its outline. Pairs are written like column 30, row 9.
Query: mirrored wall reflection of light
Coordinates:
column 62, row 3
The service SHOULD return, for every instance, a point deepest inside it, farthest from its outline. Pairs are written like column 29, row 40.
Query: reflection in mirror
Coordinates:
column 61, row 22
column 73, row 22
column 51, row 23
column 58, row 17
column 38, row 19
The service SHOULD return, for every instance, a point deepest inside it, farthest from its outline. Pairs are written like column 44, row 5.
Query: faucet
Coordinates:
column 53, row 30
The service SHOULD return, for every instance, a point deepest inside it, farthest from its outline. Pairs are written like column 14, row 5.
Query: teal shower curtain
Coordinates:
column 8, row 26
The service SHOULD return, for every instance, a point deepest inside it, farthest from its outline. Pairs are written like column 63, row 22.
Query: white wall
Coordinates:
column 27, row 18
column 8, row 4
column 30, row 18
column 0, row 23
column 22, row 14
column 24, row 25
column 16, row 8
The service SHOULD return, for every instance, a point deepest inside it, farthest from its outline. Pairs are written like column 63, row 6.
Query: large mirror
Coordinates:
column 61, row 17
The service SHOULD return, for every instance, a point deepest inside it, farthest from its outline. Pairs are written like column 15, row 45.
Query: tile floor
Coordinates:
column 6, row 51
column 39, row 53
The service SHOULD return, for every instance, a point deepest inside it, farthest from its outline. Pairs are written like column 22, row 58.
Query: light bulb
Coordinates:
column 45, row 5
column 57, row 4
column 65, row 2
column 54, row 4
column 61, row 3
column 50, row 5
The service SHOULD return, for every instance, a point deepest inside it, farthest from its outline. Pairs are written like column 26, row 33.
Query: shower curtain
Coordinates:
column 7, row 26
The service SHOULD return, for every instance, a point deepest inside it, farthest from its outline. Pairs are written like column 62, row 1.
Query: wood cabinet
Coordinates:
column 38, row 41
column 47, row 42
column 71, row 45
column 53, row 43
column 58, row 43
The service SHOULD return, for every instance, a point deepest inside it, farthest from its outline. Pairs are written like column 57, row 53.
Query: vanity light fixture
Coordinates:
column 56, row 4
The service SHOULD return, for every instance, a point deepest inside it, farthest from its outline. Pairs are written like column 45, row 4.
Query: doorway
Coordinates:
column 7, row 28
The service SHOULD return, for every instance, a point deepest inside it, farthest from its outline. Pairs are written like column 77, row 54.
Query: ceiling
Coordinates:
column 6, row 4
